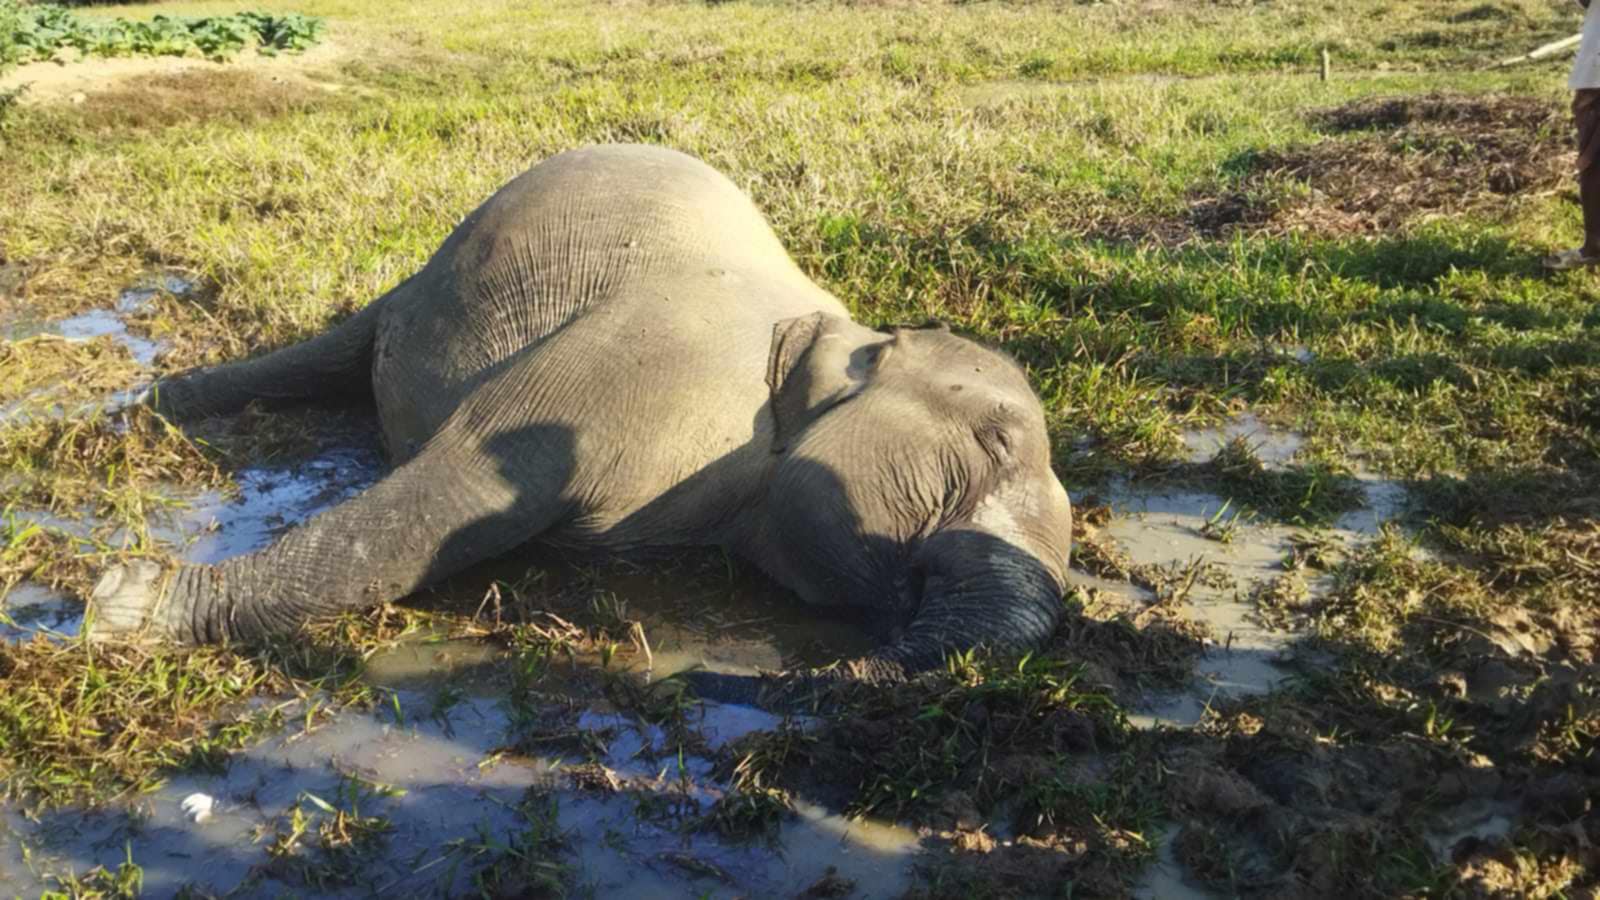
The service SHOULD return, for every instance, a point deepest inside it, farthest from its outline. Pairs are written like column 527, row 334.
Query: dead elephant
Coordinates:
column 615, row 353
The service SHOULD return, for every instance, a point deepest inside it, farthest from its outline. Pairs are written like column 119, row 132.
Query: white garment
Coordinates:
column 1586, row 70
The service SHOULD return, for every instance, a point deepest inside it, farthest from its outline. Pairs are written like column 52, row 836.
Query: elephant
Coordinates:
column 616, row 354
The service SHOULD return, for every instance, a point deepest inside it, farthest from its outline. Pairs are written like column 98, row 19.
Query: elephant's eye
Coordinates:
column 866, row 360
column 997, row 442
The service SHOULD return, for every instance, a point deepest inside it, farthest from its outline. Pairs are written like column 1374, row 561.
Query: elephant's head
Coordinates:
column 912, row 476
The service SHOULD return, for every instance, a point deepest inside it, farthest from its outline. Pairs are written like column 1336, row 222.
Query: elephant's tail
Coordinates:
column 332, row 369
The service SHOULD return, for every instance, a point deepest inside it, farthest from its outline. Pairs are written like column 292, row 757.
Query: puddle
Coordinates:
column 270, row 500
column 459, row 792
column 108, row 322
column 1164, row 527
column 208, row 527
column 1164, row 878
column 700, row 612
column 35, row 609
column 1274, row 447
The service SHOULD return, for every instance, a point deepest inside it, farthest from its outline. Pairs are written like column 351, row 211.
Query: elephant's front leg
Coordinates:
column 466, row 497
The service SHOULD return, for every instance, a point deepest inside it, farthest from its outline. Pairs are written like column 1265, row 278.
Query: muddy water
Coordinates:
column 110, row 323
column 107, row 322
column 1165, row 528
column 706, row 612
column 437, row 773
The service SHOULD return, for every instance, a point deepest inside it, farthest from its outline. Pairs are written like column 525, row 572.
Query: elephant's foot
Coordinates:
column 125, row 604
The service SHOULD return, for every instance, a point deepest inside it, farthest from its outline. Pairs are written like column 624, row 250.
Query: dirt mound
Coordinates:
column 1387, row 161
column 1525, row 114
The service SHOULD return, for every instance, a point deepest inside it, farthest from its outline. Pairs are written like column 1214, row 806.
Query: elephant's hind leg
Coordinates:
column 456, row 503
column 331, row 369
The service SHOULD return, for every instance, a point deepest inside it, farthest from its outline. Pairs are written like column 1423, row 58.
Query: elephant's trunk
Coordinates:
column 995, row 584
column 980, row 588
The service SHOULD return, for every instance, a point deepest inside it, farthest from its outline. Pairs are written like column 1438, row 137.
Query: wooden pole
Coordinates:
column 1540, row 52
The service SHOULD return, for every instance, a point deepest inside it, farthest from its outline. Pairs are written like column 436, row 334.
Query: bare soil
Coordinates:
column 84, row 80
column 1388, row 161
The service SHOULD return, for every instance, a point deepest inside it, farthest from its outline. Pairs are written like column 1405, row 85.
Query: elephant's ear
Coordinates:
column 806, row 373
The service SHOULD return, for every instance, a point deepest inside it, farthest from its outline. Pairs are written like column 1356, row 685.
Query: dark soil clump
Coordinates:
column 1387, row 162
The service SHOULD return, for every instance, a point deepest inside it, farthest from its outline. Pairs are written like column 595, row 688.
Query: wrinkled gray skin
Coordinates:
column 615, row 353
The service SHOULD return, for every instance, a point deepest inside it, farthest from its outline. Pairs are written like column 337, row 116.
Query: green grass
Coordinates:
column 1141, row 202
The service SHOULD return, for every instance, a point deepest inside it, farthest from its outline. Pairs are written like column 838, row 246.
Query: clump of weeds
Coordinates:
column 323, row 845
column 92, row 723
column 1223, row 526
column 1307, row 494
column 47, row 369
column 951, row 748
column 102, row 460
column 81, row 722
column 126, row 882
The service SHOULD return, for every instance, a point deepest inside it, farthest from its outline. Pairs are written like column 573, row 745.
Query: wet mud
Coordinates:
column 1204, row 558
column 449, row 796
column 1376, row 167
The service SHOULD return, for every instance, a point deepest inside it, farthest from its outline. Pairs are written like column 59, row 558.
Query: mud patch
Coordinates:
column 80, row 356
column 1442, row 741
column 1390, row 161
column 165, row 90
column 1206, row 581
column 182, row 98
column 423, row 797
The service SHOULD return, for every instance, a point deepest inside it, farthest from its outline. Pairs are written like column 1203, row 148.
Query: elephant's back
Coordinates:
column 584, row 228
column 578, row 227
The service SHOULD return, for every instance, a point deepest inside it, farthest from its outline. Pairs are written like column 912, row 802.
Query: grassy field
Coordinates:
column 1158, row 207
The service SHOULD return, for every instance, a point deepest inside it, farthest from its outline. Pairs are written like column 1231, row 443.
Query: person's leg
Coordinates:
column 1589, row 199
column 1586, row 119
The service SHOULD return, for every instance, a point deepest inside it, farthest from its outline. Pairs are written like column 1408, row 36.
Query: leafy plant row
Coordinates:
column 37, row 32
